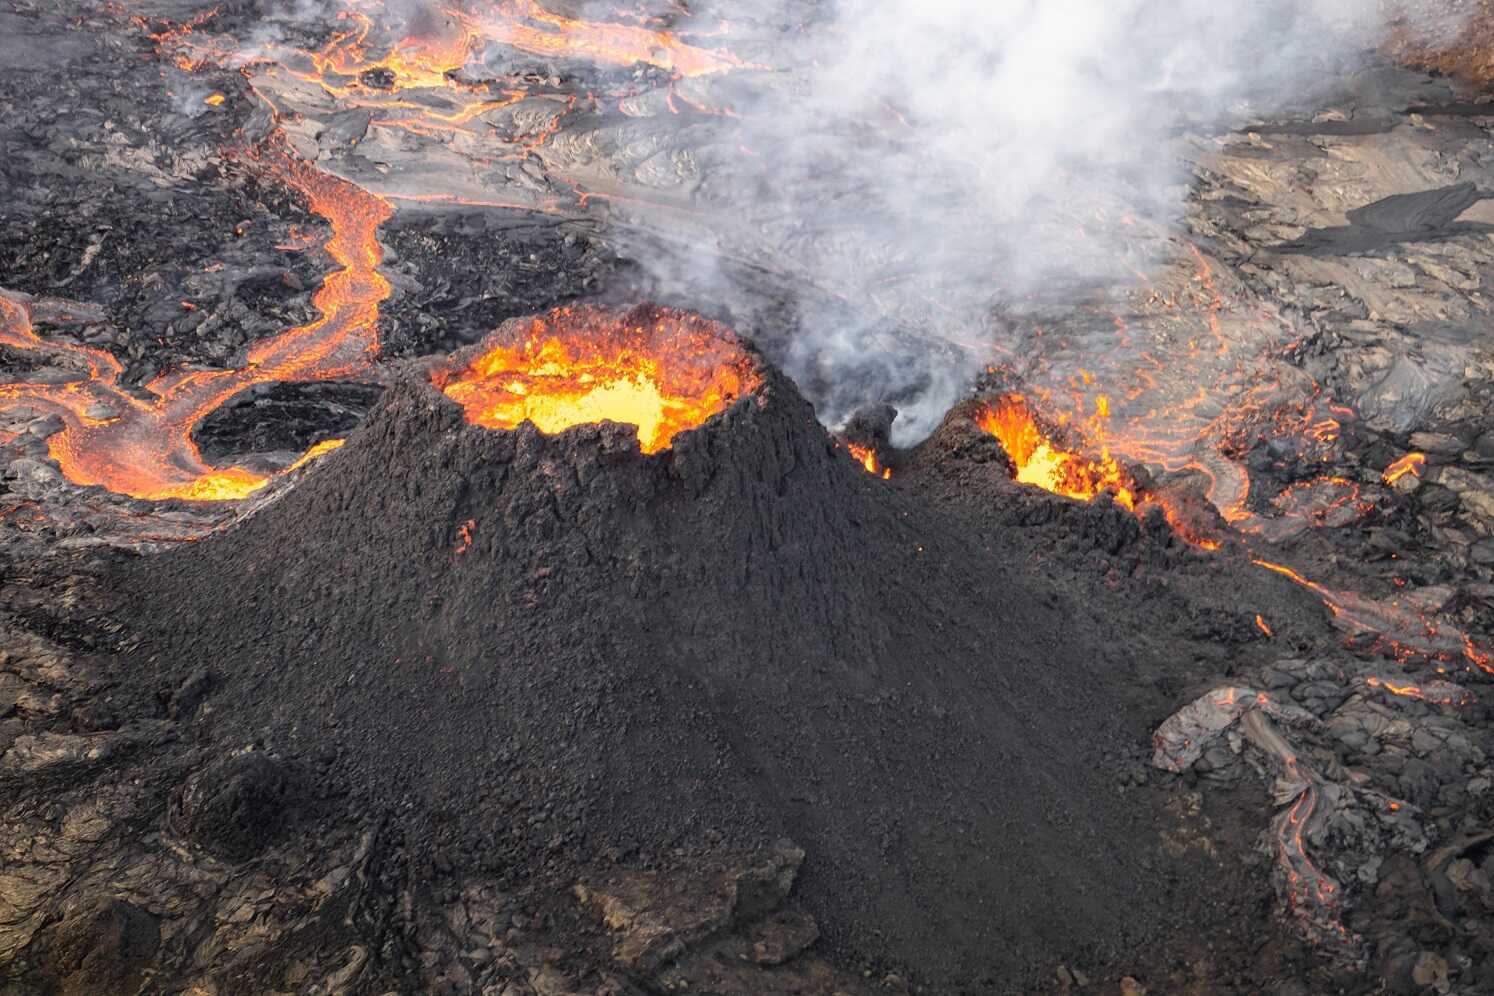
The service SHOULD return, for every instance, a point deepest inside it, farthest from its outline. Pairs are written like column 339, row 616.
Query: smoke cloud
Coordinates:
column 948, row 161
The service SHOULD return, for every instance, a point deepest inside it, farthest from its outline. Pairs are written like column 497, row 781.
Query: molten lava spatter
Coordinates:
column 143, row 447
column 661, row 370
column 867, row 457
column 1041, row 461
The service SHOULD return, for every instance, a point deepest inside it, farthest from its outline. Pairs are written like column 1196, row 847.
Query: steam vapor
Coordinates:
column 964, row 159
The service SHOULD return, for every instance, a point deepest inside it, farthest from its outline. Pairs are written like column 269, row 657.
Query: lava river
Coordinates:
column 142, row 446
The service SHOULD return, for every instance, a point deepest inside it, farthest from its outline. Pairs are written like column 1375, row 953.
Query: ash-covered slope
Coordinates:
column 537, row 653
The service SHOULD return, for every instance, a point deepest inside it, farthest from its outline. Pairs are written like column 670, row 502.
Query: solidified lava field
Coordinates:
column 522, row 497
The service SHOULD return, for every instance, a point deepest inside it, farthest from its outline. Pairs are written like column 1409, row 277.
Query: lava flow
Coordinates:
column 661, row 370
column 142, row 446
column 527, row 26
column 1403, row 631
column 426, row 59
column 1041, row 461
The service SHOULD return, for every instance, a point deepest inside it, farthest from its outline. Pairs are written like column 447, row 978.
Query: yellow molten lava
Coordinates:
column 1042, row 462
column 660, row 370
column 447, row 43
column 867, row 457
column 144, row 447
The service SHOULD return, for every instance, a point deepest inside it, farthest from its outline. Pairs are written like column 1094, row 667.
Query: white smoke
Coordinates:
column 947, row 159
column 921, row 168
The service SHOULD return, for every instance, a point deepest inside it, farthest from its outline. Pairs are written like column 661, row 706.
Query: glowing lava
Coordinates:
column 1411, row 463
column 139, row 442
column 527, row 26
column 660, row 370
column 1433, row 692
column 427, row 57
column 142, row 446
column 867, row 457
column 1043, row 462
column 1402, row 630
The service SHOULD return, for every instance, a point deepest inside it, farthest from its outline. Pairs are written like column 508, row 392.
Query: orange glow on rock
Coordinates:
column 428, row 59
column 1044, row 463
column 464, row 537
column 660, row 370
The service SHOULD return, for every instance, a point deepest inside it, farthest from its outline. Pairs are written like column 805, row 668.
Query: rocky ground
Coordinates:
column 1303, row 762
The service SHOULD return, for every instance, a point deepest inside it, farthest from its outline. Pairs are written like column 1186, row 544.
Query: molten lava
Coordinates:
column 1401, row 630
column 1411, row 463
column 1434, row 692
column 426, row 59
column 1043, row 462
column 142, row 446
column 527, row 26
column 660, row 370
column 867, row 457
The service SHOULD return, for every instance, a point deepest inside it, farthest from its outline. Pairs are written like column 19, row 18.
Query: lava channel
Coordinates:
column 142, row 446
column 660, row 370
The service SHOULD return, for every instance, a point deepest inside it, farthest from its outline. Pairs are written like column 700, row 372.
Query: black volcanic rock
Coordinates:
column 537, row 654
column 235, row 807
column 100, row 949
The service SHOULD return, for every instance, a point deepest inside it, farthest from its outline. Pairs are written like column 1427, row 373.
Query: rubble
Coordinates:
column 1375, row 777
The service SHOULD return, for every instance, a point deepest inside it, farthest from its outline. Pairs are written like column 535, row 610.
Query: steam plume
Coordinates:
column 944, row 161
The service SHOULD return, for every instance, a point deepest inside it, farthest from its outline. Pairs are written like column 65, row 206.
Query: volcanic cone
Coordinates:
column 543, row 651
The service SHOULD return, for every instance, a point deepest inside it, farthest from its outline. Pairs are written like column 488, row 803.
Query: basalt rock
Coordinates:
column 100, row 949
column 236, row 806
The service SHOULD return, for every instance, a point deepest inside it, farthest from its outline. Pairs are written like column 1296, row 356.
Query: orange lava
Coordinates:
column 1262, row 625
column 414, row 61
column 867, row 457
column 427, row 59
column 1411, row 463
column 1045, row 463
column 1403, row 631
column 660, row 370
column 527, row 26
column 1438, row 693
column 142, row 446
